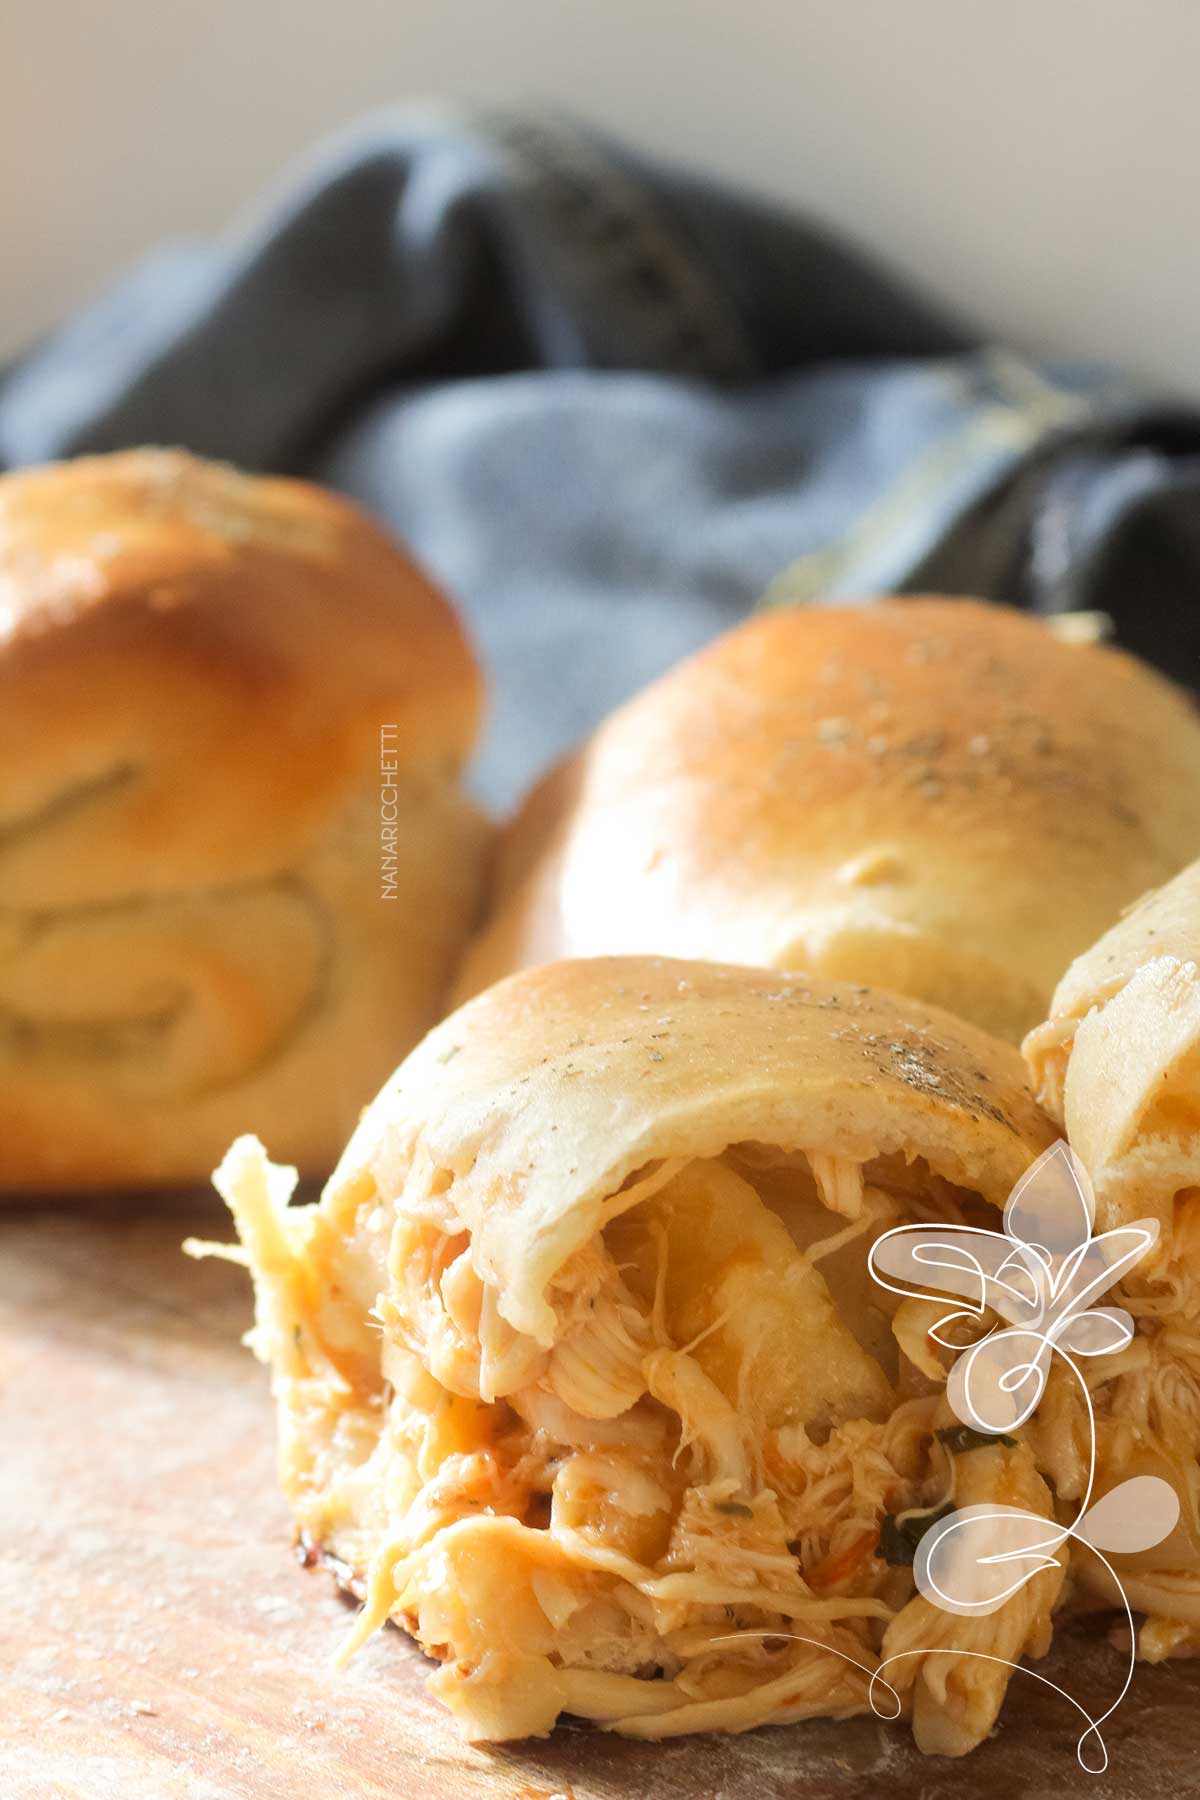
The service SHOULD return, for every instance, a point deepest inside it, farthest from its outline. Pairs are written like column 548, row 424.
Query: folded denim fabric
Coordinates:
column 610, row 405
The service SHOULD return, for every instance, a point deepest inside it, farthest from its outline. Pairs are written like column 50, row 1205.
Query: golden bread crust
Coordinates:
column 938, row 796
column 541, row 1096
column 195, row 670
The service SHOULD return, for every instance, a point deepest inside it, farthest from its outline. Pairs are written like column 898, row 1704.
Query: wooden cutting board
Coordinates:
column 158, row 1638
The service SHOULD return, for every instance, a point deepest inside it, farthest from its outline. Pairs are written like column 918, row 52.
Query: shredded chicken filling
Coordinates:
column 671, row 1519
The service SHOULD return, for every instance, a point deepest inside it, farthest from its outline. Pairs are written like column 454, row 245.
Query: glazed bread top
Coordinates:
column 195, row 666
column 938, row 796
column 536, row 1101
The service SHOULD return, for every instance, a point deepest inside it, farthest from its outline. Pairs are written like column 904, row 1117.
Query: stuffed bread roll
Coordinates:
column 1118, row 1059
column 581, row 1374
column 1118, row 1065
column 937, row 796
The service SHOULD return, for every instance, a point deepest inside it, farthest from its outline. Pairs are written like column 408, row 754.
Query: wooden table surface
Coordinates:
column 158, row 1638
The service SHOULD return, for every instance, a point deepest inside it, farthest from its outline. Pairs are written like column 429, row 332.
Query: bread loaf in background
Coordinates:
column 196, row 668
column 936, row 796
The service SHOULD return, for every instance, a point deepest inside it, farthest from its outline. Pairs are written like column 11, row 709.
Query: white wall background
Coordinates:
column 1035, row 161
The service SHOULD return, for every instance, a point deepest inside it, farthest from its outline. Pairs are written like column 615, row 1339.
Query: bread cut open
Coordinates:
column 1117, row 1065
column 582, row 1376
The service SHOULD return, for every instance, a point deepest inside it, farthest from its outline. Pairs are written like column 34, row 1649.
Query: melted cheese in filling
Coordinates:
column 669, row 1520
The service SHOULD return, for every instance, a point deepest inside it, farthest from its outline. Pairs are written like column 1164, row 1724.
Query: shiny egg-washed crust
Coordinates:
column 195, row 668
column 1117, row 1062
column 938, row 796
column 194, row 664
column 537, row 1100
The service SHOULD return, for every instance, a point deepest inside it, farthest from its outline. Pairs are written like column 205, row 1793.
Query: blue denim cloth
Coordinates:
column 611, row 405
